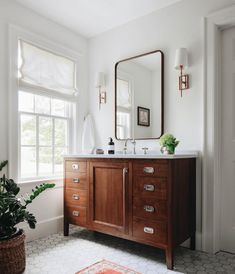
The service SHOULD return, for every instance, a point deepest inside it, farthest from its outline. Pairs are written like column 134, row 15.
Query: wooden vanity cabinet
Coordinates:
column 150, row 201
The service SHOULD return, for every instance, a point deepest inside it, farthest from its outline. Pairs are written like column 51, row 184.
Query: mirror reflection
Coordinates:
column 139, row 97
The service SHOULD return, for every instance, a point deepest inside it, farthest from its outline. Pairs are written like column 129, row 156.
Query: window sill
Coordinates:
column 58, row 181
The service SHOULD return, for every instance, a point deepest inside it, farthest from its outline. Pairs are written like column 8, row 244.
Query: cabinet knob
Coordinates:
column 149, row 187
column 148, row 170
column 148, row 230
column 76, row 180
column 149, row 208
column 76, row 197
column 75, row 166
column 76, row 213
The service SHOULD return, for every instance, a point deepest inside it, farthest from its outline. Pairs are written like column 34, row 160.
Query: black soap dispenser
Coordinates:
column 111, row 146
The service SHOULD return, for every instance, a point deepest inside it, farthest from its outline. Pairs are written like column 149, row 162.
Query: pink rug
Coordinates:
column 106, row 267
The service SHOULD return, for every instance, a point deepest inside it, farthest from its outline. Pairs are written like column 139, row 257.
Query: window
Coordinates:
column 124, row 109
column 45, row 115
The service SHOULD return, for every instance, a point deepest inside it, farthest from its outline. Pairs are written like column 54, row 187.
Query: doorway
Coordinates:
column 227, row 158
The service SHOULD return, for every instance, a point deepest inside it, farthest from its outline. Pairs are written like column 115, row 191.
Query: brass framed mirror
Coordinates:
column 139, row 96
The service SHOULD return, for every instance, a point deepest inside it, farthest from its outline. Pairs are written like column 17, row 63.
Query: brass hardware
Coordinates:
column 76, row 197
column 149, row 208
column 76, row 180
column 148, row 230
column 149, row 187
column 76, row 213
column 75, row 166
column 149, row 170
column 125, row 170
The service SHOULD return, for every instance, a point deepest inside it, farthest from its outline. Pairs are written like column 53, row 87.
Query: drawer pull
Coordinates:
column 149, row 170
column 76, row 197
column 76, row 180
column 149, row 208
column 76, row 213
column 148, row 230
column 149, row 187
column 75, row 166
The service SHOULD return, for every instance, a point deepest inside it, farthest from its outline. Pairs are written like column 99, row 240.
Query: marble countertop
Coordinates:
column 149, row 155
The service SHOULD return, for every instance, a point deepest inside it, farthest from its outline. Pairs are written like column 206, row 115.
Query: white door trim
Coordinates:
column 213, row 24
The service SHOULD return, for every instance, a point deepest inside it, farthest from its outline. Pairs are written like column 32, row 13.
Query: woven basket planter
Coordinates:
column 12, row 255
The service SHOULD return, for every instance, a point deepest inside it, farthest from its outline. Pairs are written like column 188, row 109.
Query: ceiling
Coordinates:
column 92, row 17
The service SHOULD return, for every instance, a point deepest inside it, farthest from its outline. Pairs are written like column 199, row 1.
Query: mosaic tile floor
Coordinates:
column 57, row 254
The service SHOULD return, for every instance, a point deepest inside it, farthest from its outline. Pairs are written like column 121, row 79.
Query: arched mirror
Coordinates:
column 139, row 90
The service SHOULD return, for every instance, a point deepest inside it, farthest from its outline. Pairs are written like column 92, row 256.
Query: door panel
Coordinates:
column 109, row 196
column 228, row 142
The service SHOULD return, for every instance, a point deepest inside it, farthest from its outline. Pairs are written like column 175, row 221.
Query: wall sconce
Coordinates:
column 100, row 84
column 181, row 62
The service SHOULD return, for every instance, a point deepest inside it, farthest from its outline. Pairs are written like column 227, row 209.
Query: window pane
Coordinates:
column 59, row 152
column 61, row 132
column 28, row 129
column 58, row 107
column 26, row 102
column 42, row 104
column 28, row 162
column 45, row 131
column 45, row 160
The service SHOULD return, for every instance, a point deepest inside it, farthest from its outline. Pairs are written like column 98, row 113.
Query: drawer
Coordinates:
column 149, row 209
column 75, row 196
column 151, row 168
column 76, row 215
column 155, row 188
column 75, row 180
column 155, row 232
column 76, row 166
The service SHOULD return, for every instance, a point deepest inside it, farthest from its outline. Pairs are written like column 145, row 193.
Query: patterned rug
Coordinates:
column 106, row 267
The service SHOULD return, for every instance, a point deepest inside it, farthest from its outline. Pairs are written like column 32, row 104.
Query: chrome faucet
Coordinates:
column 133, row 143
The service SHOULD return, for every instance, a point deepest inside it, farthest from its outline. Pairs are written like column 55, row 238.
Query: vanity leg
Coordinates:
column 66, row 228
column 192, row 242
column 169, row 258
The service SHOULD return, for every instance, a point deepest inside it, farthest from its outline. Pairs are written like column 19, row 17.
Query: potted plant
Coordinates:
column 12, row 212
column 168, row 143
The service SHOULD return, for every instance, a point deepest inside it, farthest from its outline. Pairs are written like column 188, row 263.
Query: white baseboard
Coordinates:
column 44, row 228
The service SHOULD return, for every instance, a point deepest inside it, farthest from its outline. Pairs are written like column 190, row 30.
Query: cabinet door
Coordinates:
column 108, row 196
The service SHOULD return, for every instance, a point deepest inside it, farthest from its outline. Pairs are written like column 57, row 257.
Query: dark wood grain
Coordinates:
column 113, row 204
column 139, row 210
column 159, row 230
column 76, row 180
column 70, row 196
column 108, row 200
column 160, row 187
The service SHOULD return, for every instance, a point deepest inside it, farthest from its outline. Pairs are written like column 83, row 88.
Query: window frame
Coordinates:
column 124, row 76
column 15, row 34
column 69, row 119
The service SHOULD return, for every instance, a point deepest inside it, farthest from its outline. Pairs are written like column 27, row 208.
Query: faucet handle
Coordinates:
column 145, row 149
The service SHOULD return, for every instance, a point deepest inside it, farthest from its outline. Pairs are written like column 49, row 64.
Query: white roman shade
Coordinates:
column 42, row 68
column 123, row 94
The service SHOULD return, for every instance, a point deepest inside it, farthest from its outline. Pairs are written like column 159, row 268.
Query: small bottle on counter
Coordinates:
column 111, row 149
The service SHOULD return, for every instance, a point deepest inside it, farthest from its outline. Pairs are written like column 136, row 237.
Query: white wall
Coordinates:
column 49, row 207
column 180, row 25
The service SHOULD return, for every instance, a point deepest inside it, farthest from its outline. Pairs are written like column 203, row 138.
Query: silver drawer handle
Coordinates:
column 149, row 187
column 148, row 230
column 76, row 180
column 76, row 197
column 149, row 170
column 76, row 213
column 149, row 208
column 75, row 166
